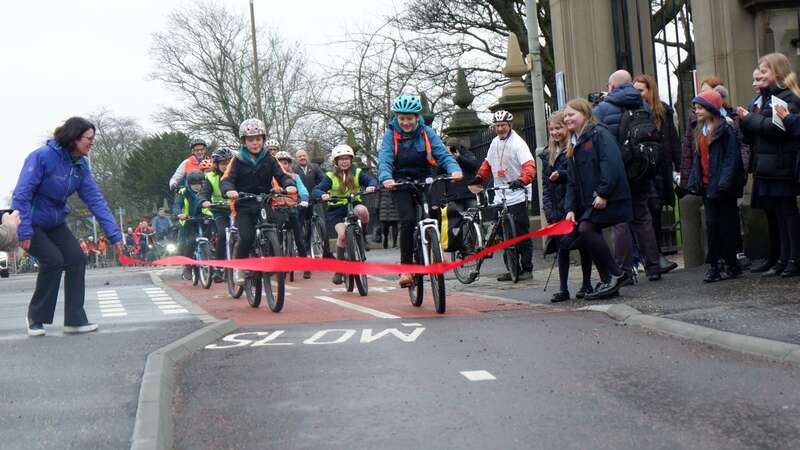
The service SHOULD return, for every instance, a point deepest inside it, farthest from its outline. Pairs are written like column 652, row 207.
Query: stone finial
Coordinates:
column 515, row 68
column 427, row 114
column 463, row 97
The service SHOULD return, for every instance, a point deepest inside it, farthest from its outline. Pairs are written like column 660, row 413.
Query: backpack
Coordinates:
column 640, row 144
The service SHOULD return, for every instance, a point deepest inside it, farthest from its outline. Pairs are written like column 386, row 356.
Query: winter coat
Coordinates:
column 387, row 211
column 554, row 192
column 670, row 157
column 49, row 177
column 246, row 174
column 775, row 155
column 596, row 169
column 610, row 111
column 411, row 160
column 310, row 179
column 726, row 174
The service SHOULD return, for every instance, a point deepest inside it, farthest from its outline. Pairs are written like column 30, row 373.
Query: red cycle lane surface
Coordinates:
column 303, row 306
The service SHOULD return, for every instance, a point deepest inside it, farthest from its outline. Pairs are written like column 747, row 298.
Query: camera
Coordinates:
column 595, row 97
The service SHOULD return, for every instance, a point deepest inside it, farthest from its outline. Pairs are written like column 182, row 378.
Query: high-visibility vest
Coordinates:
column 283, row 199
column 185, row 210
column 336, row 185
column 216, row 192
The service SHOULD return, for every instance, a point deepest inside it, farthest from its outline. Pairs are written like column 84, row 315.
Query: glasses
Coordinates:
column 90, row 139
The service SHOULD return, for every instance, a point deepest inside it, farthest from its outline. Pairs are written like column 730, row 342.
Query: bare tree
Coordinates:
column 116, row 138
column 204, row 56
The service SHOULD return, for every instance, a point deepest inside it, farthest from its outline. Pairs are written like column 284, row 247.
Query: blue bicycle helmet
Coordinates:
column 407, row 104
column 221, row 154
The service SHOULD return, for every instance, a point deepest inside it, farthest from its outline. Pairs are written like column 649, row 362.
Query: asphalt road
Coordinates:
column 81, row 392
column 559, row 380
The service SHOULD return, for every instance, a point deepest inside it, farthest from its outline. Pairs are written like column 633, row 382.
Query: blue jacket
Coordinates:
column 554, row 192
column 622, row 98
column 48, row 178
column 726, row 174
column 596, row 169
column 411, row 161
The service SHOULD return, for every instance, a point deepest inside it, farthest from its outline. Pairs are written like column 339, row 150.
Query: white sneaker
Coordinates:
column 35, row 329
column 238, row 276
column 88, row 328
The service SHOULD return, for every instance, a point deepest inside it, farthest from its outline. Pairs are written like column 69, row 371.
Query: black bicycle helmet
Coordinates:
column 221, row 154
column 195, row 177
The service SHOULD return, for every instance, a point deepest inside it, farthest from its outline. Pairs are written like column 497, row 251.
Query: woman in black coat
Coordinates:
column 554, row 171
column 774, row 159
column 597, row 193
column 718, row 175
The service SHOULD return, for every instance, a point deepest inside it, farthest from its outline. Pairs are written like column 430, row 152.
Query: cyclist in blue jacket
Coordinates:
column 410, row 149
column 50, row 175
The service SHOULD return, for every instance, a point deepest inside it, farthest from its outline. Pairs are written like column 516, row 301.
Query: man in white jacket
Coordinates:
column 510, row 162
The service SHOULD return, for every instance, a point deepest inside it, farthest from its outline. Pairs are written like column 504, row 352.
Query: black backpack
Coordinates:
column 640, row 144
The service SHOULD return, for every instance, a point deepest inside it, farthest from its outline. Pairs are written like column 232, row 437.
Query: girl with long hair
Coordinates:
column 598, row 194
column 554, row 171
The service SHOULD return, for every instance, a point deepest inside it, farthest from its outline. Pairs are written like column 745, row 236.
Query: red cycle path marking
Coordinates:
column 301, row 306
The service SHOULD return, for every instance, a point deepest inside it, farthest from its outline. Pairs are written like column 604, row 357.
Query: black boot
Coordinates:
column 775, row 270
column 712, row 274
column 338, row 278
column 764, row 266
column 560, row 297
column 791, row 270
column 665, row 265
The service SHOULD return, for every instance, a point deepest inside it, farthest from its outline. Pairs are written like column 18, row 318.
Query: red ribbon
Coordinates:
column 290, row 263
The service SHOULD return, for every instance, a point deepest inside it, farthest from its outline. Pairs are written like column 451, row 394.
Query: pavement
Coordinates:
column 80, row 391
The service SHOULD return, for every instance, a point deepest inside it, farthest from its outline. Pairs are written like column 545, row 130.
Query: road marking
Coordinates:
column 175, row 311
column 111, row 291
column 172, row 306
column 359, row 308
column 108, row 302
column 120, row 314
column 478, row 375
column 112, row 310
column 156, row 289
column 164, row 302
column 161, row 297
column 106, row 296
column 411, row 324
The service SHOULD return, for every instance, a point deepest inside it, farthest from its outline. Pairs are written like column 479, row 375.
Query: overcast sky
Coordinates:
column 60, row 58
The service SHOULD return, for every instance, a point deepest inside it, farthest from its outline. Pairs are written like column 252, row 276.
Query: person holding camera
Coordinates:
column 630, row 120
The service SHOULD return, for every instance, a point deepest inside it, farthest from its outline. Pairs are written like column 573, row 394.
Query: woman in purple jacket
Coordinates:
column 50, row 175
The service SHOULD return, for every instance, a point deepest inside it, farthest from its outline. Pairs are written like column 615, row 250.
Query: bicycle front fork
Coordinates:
column 423, row 225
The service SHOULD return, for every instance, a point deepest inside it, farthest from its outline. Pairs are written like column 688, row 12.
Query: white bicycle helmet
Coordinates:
column 503, row 116
column 283, row 155
column 252, row 127
column 272, row 143
column 342, row 150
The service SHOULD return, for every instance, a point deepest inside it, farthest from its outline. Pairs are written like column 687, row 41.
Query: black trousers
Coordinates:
column 654, row 205
column 221, row 223
column 788, row 218
column 522, row 224
column 722, row 225
column 246, row 223
column 58, row 252
column 297, row 230
column 406, row 204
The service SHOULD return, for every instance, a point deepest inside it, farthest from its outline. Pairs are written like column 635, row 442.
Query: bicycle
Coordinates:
column 265, row 244
column 428, row 246
column 231, row 238
column 202, row 251
column 285, row 233
column 501, row 229
column 355, row 243
column 318, row 237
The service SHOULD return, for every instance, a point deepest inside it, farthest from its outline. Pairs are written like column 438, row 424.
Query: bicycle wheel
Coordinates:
column 195, row 275
column 204, row 253
column 416, row 291
column 252, row 287
column 355, row 252
column 289, row 249
column 316, row 246
column 511, row 254
column 471, row 244
column 275, row 294
column 234, row 290
column 436, row 256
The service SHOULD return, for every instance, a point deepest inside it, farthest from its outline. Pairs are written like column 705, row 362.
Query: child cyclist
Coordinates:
column 251, row 171
column 189, row 204
column 212, row 193
column 410, row 149
column 344, row 179
column 293, row 201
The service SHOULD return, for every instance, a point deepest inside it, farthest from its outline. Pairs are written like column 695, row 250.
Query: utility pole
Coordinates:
column 537, row 84
column 256, row 73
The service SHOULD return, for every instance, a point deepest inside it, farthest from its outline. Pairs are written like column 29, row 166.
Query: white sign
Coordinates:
column 775, row 118
column 322, row 337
